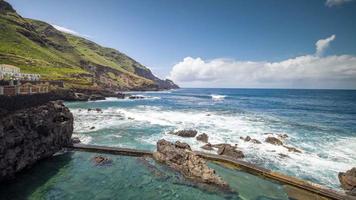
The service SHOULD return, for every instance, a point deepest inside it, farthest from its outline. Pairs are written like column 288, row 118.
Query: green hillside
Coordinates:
column 37, row 47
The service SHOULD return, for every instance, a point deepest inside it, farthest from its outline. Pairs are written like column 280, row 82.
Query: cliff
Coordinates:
column 37, row 47
column 32, row 134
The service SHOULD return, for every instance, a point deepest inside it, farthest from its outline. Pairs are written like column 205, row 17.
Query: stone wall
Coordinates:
column 31, row 134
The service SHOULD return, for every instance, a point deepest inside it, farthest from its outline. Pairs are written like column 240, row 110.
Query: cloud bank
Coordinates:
column 331, row 3
column 308, row 71
column 67, row 30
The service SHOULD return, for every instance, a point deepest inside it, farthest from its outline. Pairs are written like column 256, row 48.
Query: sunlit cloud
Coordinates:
column 331, row 3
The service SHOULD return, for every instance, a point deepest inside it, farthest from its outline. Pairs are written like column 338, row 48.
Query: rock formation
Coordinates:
column 185, row 133
column 31, row 134
column 203, row 138
column 348, row 181
column 102, row 161
column 179, row 157
column 230, row 151
column 207, row 147
column 273, row 140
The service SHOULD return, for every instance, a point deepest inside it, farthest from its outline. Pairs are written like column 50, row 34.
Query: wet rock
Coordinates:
column 120, row 95
column 101, row 160
column 220, row 145
column 32, row 134
column 80, row 97
column 96, row 97
column 185, row 133
column 348, row 181
column 75, row 140
column 136, row 97
column 187, row 163
column 93, row 127
column 282, row 155
column 273, row 140
column 292, row 149
column 130, row 118
column 249, row 139
column 255, row 141
column 203, row 137
column 208, row 147
column 230, row 151
column 98, row 110
column 182, row 145
column 283, row 136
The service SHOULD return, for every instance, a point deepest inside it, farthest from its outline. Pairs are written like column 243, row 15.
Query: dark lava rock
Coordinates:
column 182, row 145
column 203, row 137
column 348, row 181
column 292, row 149
column 75, row 140
column 185, row 133
column 230, row 151
column 136, row 97
column 283, row 136
column 255, row 141
column 120, row 95
column 273, row 140
column 187, row 163
column 247, row 139
column 93, row 127
column 283, row 155
column 207, row 147
column 101, row 161
column 32, row 134
column 98, row 110
column 96, row 97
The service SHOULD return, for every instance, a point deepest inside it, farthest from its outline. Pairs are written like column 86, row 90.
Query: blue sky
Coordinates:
column 164, row 35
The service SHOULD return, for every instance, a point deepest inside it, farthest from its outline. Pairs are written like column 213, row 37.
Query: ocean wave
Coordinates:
column 217, row 97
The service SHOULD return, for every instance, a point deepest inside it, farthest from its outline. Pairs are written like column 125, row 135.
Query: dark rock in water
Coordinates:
column 220, row 145
column 98, row 110
column 187, row 163
column 283, row 155
column 208, row 147
column 93, row 127
column 185, row 133
column 230, row 151
column 182, row 145
column 101, row 161
column 247, row 139
column 31, row 134
column 273, row 140
column 203, row 137
column 75, row 140
column 120, row 95
column 255, row 141
column 96, row 97
column 292, row 149
column 136, row 97
column 348, row 181
column 283, row 136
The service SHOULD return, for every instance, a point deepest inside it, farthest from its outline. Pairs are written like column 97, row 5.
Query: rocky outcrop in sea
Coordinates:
column 31, row 134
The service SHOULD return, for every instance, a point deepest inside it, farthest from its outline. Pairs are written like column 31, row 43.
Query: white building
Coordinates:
column 13, row 73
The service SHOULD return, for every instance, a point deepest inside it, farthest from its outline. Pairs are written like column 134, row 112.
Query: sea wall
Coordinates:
column 32, row 134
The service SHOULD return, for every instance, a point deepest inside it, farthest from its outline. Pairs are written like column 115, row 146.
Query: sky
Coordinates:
column 219, row 43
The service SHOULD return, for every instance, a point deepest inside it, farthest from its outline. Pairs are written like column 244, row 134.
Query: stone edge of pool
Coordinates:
column 248, row 167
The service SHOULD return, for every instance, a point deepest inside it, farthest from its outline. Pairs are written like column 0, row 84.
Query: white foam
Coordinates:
column 217, row 97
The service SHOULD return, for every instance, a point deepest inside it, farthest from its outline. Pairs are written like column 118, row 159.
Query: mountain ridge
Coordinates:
column 37, row 47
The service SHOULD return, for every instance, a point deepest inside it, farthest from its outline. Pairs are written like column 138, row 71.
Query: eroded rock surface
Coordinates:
column 203, row 137
column 348, row 181
column 31, row 134
column 185, row 133
column 273, row 140
column 230, row 151
column 182, row 159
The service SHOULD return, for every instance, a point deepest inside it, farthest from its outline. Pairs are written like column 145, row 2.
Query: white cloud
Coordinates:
column 309, row 71
column 323, row 44
column 331, row 3
column 67, row 30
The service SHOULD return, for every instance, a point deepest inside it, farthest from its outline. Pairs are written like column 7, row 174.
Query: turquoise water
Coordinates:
column 321, row 123
column 73, row 175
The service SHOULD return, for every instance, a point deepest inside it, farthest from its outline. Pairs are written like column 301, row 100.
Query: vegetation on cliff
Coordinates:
column 37, row 47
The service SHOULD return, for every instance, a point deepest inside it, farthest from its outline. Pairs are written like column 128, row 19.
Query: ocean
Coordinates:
column 320, row 123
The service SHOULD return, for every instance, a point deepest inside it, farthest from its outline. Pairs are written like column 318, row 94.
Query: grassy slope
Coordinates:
column 36, row 47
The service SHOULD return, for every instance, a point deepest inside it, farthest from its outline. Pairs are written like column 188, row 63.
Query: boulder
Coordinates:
column 273, row 140
column 75, row 140
column 249, row 139
column 208, row 147
column 102, row 161
column 348, row 181
column 96, row 97
column 203, row 138
column 187, row 163
column 136, row 97
column 185, row 133
column 182, row 145
column 255, row 141
column 230, row 151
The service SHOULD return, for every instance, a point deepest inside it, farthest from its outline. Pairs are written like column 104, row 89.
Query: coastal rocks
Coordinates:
column 273, row 140
column 292, row 149
column 208, row 147
column 136, row 97
column 230, row 151
column 249, row 139
column 75, row 140
column 96, row 97
column 31, row 134
column 187, row 163
column 185, row 133
column 101, row 161
column 203, row 138
column 348, row 181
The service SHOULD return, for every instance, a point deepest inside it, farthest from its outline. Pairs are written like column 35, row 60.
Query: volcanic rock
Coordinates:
column 187, row 163
column 75, row 140
column 96, row 97
column 185, row 133
column 207, row 147
column 230, row 151
column 348, row 181
column 292, row 149
column 203, row 137
column 273, row 140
